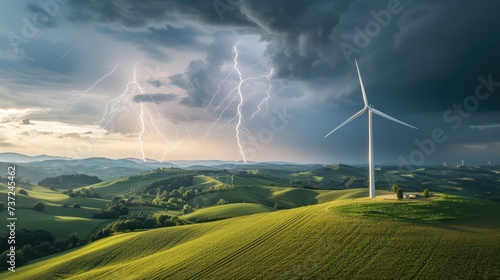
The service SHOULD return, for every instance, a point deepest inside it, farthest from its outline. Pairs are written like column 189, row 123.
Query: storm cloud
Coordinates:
column 431, row 63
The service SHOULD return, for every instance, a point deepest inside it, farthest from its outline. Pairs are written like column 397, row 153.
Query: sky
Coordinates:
column 251, row 80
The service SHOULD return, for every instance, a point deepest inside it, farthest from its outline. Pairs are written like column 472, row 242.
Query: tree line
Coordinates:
column 69, row 181
column 37, row 243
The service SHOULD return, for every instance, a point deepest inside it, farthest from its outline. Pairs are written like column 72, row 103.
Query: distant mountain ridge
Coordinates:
column 36, row 168
column 20, row 158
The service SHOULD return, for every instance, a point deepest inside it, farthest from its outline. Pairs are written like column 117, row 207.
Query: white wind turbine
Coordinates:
column 370, row 109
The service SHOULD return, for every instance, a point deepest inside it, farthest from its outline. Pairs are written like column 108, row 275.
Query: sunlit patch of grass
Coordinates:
column 446, row 207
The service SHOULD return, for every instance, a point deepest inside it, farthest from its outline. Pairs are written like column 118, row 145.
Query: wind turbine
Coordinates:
column 489, row 162
column 463, row 160
column 369, row 108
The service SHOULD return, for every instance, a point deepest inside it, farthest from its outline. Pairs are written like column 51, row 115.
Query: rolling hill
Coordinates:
column 310, row 242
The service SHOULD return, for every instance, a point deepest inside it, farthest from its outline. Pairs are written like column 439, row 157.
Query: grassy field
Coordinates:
column 310, row 242
column 269, row 195
column 228, row 210
column 436, row 208
column 59, row 220
column 111, row 188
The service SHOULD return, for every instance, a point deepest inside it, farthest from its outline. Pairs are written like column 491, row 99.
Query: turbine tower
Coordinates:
column 463, row 160
column 489, row 162
column 370, row 109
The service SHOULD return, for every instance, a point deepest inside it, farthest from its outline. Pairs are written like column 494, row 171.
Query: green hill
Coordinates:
column 59, row 220
column 226, row 211
column 311, row 242
column 118, row 186
column 284, row 196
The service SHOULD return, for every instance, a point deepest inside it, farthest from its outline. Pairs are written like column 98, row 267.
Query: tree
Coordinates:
column 395, row 188
column 427, row 193
column 38, row 206
column 2, row 206
column 221, row 201
column 73, row 239
column 187, row 209
column 61, row 244
column 276, row 206
column 76, row 205
column 27, row 251
column 399, row 193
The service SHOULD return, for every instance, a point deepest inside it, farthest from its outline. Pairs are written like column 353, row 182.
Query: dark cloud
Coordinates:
column 39, row 17
column 199, row 79
column 156, row 98
column 130, row 14
column 153, row 40
column 157, row 83
column 427, row 50
column 426, row 59
column 298, row 32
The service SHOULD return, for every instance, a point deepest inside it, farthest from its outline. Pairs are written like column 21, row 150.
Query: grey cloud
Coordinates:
column 157, row 83
column 199, row 79
column 137, row 15
column 156, row 98
column 432, row 50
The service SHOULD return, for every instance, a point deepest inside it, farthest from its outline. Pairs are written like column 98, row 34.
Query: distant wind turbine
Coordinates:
column 463, row 160
column 444, row 164
column 370, row 109
column 489, row 162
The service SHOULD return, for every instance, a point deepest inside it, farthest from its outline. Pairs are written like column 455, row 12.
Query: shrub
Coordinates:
column 187, row 209
column 427, row 193
column 106, row 214
column 76, row 205
column 22, row 191
column 395, row 188
column 38, row 206
column 221, row 201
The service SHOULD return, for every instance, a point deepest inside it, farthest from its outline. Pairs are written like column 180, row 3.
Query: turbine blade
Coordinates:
column 361, row 83
column 347, row 121
column 390, row 118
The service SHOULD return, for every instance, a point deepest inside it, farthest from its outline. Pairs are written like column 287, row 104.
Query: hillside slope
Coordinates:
column 311, row 242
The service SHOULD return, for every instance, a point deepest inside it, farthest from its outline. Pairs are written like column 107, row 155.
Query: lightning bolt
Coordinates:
column 239, row 114
column 268, row 95
column 78, row 94
column 115, row 108
column 236, row 94
column 74, row 49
